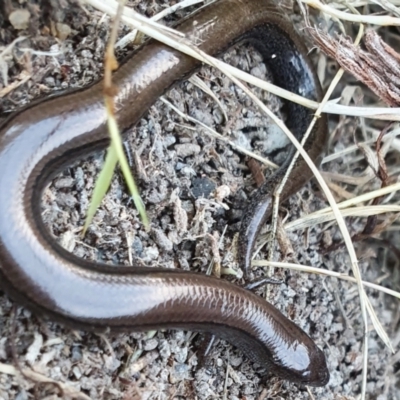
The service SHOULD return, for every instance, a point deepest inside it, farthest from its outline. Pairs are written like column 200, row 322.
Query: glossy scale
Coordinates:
column 39, row 141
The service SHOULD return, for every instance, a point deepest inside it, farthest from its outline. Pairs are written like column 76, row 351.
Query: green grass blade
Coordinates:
column 116, row 142
column 103, row 182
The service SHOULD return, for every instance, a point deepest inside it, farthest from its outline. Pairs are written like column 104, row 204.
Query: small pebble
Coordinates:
column 150, row 254
column 63, row 183
column 187, row 149
column 77, row 372
column 22, row 395
column 169, row 140
column 235, row 361
column 86, row 54
column 67, row 199
column 202, row 187
column 63, row 30
column 50, row 81
column 188, row 171
column 162, row 240
column 164, row 349
column 137, row 246
column 178, row 373
column 76, row 354
column 19, row 19
column 150, row 344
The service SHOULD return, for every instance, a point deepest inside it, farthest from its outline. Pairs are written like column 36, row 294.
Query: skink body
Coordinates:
column 40, row 140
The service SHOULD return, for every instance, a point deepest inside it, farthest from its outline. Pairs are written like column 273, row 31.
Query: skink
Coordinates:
column 39, row 141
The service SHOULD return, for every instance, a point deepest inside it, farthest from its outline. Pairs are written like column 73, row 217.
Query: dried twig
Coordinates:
column 378, row 68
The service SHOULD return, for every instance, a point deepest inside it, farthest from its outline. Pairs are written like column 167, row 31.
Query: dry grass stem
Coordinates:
column 364, row 211
column 325, row 272
column 362, row 19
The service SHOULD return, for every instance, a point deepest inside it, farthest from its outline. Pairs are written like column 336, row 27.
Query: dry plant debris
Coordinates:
column 378, row 67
